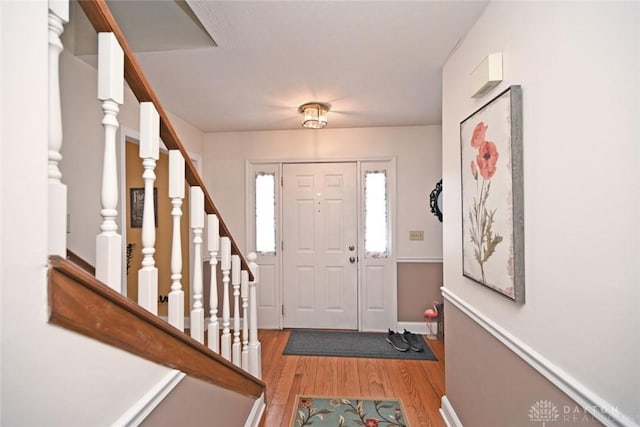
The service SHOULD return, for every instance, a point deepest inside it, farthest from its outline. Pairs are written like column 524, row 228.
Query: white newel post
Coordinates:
column 176, row 194
column 225, row 266
column 244, row 293
column 110, row 92
column 235, row 281
column 255, row 358
column 149, row 153
column 57, row 215
column 213, row 242
column 196, row 213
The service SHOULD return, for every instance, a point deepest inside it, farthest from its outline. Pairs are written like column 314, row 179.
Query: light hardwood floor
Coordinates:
column 419, row 384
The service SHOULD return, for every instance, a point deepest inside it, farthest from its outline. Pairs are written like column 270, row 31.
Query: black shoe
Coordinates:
column 395, row 339
column 412, row 341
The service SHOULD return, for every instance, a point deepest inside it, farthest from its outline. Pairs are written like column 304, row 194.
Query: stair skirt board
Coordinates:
column 256, row 412
column 143, row 407
column 448, row 414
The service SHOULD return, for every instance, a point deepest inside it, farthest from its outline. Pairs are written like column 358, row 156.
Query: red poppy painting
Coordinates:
column 492, row 201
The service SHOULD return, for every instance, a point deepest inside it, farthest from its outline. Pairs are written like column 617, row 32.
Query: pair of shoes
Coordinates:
column 396, row 341
column 412, row 341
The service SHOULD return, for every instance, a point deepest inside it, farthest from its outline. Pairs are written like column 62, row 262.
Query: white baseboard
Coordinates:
column 418, row 327
column 601, row 410
column 448, row 414
column 143, row 407
column 256, row 412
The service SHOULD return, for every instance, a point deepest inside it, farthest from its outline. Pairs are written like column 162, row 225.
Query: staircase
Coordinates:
column 92, row 304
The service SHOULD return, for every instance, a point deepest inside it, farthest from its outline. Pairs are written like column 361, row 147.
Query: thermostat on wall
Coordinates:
column 487, row 75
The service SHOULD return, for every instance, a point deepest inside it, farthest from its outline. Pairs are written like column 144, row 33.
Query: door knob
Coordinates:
column 351, row 248
column 352, row 259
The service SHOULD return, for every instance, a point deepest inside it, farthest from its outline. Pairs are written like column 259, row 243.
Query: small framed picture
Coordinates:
column 137, row 206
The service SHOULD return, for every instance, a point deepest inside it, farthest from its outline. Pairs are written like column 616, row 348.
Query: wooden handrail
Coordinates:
column 102, row 20
column 80, row 302
column 77, row 259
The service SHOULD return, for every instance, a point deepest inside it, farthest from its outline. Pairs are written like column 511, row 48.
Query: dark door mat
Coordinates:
column 350, row 344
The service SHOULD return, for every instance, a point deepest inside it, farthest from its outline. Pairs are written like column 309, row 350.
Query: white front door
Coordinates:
column 320, row 245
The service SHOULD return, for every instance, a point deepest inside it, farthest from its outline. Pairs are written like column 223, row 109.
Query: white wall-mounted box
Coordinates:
column 486, row 76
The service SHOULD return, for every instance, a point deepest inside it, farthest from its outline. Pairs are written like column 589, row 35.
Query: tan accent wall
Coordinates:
column 164, row 230
column 489, row 385
column 197, row 403
column 418, row 286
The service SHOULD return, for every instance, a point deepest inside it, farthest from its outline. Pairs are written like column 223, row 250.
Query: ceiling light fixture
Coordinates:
column 315, row 114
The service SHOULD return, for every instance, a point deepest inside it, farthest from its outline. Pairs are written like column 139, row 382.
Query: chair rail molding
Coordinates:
column 419, row 259
column 601, row 410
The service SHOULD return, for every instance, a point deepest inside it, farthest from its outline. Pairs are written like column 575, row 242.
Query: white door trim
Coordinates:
column 250, row 165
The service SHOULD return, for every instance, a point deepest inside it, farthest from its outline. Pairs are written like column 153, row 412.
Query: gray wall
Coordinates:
column 197, row 403
column 489, row 385
column 579, row 67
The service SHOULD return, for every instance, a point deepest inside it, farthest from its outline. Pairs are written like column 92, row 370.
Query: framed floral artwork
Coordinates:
column 492, row 195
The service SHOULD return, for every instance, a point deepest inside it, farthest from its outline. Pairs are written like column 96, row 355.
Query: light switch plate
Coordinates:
column 416, row 235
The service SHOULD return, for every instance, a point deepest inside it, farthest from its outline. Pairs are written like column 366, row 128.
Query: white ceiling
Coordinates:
column 376, row 63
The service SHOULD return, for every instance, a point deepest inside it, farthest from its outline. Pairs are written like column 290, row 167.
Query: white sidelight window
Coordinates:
column 376, row 205
column 265, row 211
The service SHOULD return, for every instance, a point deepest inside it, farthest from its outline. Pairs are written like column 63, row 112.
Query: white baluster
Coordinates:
column 213, row 242
column 244, row 293
column 225, row 265
column 196, row 211
column 149, row 153
column 176, row 193
column 235, row 281
column 57, row 211
column 255, row 357
column 110, row 92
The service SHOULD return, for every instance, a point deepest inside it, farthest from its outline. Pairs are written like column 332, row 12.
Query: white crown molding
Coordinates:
column 418, row 259
column 143, row 407
column 602, row 410
column 448, row 414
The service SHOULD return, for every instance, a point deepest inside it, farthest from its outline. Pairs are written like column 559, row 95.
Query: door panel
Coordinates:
column 378, row 307
column 375, row 287
column 268, row 289
column 319, row 227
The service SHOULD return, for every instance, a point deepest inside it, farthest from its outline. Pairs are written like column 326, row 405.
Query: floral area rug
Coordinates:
column 347, row 412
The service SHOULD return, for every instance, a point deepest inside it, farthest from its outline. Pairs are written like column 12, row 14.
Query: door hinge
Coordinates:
column 283, row 309
column 281, row 181
column 282, row 245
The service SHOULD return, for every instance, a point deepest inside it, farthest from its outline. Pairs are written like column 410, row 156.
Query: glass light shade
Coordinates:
column 315, row 115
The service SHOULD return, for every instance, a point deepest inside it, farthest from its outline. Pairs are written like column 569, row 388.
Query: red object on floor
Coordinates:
column 430, row 314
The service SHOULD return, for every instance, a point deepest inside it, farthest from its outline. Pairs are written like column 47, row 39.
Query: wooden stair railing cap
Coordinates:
column 102, row 19
column 80, row 302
